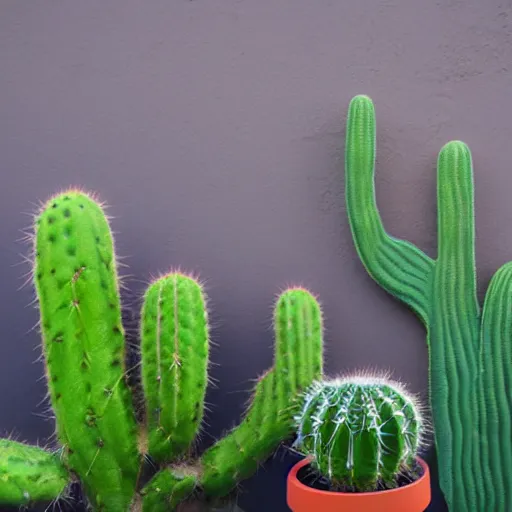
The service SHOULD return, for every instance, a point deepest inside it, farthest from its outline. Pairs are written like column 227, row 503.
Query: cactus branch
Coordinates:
column 399, row 266
column 454, row 322
column 174, row 333
column 29, row 474
column 298, row 361
column 166, row 490
column 496, row 381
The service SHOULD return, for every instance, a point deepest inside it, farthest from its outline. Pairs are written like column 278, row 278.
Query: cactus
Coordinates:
column 101, row 442
column 297, row 363
column 29, row 474
column 363, row 433
column 168, row 488
column 469, row 351
column 84, row 348
column 174, row 336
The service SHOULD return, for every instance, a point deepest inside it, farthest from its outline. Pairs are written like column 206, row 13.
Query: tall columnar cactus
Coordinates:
column 84, row 348
column 363, row 432
column 101, row 444
column 468, row 350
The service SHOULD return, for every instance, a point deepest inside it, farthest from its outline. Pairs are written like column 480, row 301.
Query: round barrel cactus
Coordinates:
column 363, row 433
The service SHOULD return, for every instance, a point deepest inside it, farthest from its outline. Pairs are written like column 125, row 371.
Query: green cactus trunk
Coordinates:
column 174, row 333
column 29, row 474
column 468, row 352
column 84, row 348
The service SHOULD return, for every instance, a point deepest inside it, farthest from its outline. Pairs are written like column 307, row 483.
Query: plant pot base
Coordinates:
column 414, row 497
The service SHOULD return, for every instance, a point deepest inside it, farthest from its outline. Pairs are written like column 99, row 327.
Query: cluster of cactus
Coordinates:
column 469, row 349
column 363, row 433
column 101, row 443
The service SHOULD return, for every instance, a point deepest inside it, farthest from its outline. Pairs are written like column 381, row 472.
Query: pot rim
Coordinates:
column 292, row 477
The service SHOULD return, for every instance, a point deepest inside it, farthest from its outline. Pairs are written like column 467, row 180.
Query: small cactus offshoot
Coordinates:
column 100, row 441
column 363, row 433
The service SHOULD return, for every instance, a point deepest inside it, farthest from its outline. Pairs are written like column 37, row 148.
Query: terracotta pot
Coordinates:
column 414, row 497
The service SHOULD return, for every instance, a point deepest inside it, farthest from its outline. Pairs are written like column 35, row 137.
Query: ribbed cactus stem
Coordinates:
column 454, row 324
column 363, row 433
column 84, row 347
column 168, row 488
column 469, row 352
column 495, row 387
column 238, row 455
column 29, row 474
column 298, row 362
column 174, row 333
column 398, row 266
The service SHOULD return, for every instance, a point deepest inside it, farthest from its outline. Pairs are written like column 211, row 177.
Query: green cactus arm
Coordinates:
column 84, row 347
column 298, row 357
column 298, row 361
column 166, row 490
column 174, row 350
column 496, row 380
column 398, row 266
column 238, row 455
column 454, row 329
column 29, row 474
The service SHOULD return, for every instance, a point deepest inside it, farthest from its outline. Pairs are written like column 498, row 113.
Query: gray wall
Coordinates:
column 215, row 130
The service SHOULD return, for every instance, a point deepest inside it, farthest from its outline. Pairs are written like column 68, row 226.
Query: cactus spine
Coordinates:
column 468, row 351
column 84, row 349
column 363, row 433
column 29, row 474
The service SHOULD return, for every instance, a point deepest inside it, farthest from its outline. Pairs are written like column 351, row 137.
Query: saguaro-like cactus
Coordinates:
column 101, row 444
column 469, row 352
column 363, row 432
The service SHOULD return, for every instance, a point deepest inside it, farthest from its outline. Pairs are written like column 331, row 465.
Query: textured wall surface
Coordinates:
column 215, row 130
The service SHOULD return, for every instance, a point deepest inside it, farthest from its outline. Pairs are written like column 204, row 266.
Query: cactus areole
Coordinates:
column 361, row 436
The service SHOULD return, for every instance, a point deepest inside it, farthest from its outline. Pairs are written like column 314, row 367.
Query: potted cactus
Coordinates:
column 361, row 436
column 121, row 460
